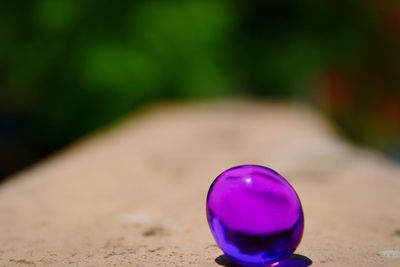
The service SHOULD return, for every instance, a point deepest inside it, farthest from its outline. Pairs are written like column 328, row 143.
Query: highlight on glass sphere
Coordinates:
column 254, row 215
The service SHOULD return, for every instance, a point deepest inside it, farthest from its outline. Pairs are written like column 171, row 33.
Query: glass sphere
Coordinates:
column 254, row 215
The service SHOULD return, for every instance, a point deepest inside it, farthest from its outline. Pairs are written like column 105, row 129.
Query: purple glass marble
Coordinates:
column 255, row 215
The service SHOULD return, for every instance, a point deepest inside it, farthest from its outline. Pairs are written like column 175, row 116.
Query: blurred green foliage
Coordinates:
column 69, row 66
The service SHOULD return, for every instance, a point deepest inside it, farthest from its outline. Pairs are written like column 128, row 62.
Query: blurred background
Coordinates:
column 68, row 67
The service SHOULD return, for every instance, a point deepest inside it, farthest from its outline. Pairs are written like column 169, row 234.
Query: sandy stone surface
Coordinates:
column 134, row 194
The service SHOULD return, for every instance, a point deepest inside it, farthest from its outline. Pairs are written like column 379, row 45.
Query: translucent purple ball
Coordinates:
column 255, row 215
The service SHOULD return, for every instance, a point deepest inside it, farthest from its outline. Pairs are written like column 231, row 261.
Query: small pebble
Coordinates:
column 393, row 254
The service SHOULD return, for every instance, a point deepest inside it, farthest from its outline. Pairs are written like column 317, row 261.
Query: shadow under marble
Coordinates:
column 295, row 260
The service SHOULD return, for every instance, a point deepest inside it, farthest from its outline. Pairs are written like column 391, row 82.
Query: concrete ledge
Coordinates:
column 134, row 194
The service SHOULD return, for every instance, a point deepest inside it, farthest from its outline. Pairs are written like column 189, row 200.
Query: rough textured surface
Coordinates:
column 134, row 194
